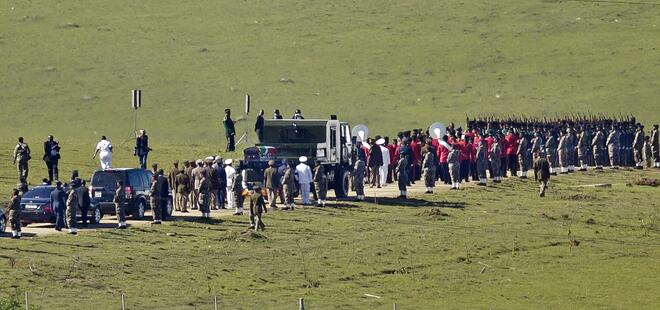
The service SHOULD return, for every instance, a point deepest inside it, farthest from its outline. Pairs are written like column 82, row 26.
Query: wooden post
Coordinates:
column 301, row 303
column 27, row 302
column 394, row 306
column 215, row 303
column 123, row 302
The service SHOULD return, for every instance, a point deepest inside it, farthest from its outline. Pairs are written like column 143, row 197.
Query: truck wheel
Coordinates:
column 342, row 184
column 138, row 212
column 3, row 224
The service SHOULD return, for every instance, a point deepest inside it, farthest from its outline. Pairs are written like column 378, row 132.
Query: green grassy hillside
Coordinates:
column 68, row 66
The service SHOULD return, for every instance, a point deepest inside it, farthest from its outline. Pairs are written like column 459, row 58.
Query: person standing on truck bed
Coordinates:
column 230, row 131
column 297, row 115
column 259, row 126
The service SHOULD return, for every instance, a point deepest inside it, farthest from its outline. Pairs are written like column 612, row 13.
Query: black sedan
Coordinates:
column 36, row 208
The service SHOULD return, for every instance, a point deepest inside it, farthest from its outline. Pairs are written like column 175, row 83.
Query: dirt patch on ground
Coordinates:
column 580, row 197
column 434, row 213
column 648, row 182
column 548, row 217
column 590, row 221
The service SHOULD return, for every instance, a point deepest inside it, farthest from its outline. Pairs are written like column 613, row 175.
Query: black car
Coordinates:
column 137, row 185
column 3, row 221
column 36, row 208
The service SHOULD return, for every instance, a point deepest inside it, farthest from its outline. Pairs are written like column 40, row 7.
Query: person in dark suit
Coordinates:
column 374, row 162
column 230, row 131
column 142, row 148
column 51, row 158
column 259, row 126
column 57, row 202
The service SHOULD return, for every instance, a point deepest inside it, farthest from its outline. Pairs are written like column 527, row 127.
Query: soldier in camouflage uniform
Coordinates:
column 237, row 190
column 648, row 155
column 613, row 147
column 289, row 187
column 358, row 176
column 119, row 200
column 562, row 151
column 154, row 199
column 523, row 158
column 21, row 158
column 598, row 148
column 320, row 184
column 257, row 208
column 429, row 163
column 583, row 149
column 551, row 152
column 71, row 207
column 15, row 214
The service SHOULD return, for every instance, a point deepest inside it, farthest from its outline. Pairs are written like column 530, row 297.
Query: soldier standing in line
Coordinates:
column 119, row 200
column 58, row 203
column 562, row 150
column 320, row 184
column 613, row 147
column 598, row 147
column 542, row 173
column 454, row 162
column 551, row 152
column 648, row 155
column 15, row 214
column 182, row 190
column 204, row 196
column 583, row 149
column 230, row 131
column 289, row 185
column 257, row 208
column 237, row 191
column 536, row 144
column 402, row 176
column 154, row 199
column 521, row 152
column 191, row 193
column 358, row 176
column 221, row 175
column 638, row 145
column 272, row 183
column 173, row 186
column 197, row 173
column 570, row 149
column 482, row 162
column 72, row 203
column 429, row 163
column 212, row 178
column 655, row 146
column 21, row 158
column 495, row 163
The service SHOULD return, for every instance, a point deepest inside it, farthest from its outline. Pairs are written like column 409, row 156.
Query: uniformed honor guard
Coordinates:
column 182, row 191
column 638, row 145
column 429, row 164
column 230, row 131
column 655, row 146
column 542, row 173
column 583, row 149
column 154, row 199
column 257, row 208
column 648, row 155
column 197, row 174
column 21, row 158
column 119, row 200
column 272, row 183
column 523, row 158
column 598, row 148
column 289, row 187
column 72, row 207
column 237, row 191
column 171, row 178
column 15, row 214
column 551, row 152
column 204, row 197
column 613, row 147
column 320, row 184
column 495, row 161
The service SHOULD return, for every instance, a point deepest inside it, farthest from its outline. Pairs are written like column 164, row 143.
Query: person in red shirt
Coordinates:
column 489, row 142
column 464, row 151
column 512, row 152
column 472, row 159
column 416, row 157
column 443, row 151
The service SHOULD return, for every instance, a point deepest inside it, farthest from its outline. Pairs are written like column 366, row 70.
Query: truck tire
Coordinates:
column 342, row 183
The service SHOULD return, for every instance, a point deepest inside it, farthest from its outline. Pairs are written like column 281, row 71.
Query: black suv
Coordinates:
column 137, row 185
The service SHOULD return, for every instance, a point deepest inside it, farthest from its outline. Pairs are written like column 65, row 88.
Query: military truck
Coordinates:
column 285, row 140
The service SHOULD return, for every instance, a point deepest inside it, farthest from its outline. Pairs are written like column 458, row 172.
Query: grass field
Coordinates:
column 498, row 247
column 68, row 68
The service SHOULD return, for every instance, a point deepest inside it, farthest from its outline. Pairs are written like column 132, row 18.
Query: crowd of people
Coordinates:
column 487, row 148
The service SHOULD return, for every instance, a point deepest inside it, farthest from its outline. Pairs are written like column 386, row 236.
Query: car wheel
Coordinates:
column 3, row 224
column 138, row 213
column 96, row 218
column 342, row 184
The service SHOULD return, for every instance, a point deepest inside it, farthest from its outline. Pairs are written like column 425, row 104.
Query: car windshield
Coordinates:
column 294, row 134
column 39, row 192
column 108, row 179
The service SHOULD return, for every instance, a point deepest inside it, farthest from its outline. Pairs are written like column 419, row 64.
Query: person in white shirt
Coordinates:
column 230, row 171
column 104, row 151
column 384, row 169
column 304, row 178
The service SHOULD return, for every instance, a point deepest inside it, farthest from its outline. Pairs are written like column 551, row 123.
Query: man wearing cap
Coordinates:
column 257, row 208
column 320, row 184
column 197, row 174
column 204, row 196
column 229, row 172
column 289, row 186
column 655, row 146
column 613, row 147
column 182, row 182
column 384, row 169
column 402, row 176
column 375, row 161
column 454, row 161
column 14, row 215
column 212, row 178
column 304, row 178
column 429, row 164
column 358, row 176
column 22, row 157
column 272, row 183
column 583, row 148
column 638, row 145
column 188, row 168
column 482, row 162
column 237, row 191
column 551, row 152
column 230, row 131
column 562, row 150
column 598, row 148
column 173, row 186
column 154, row 199
column 495, row 161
